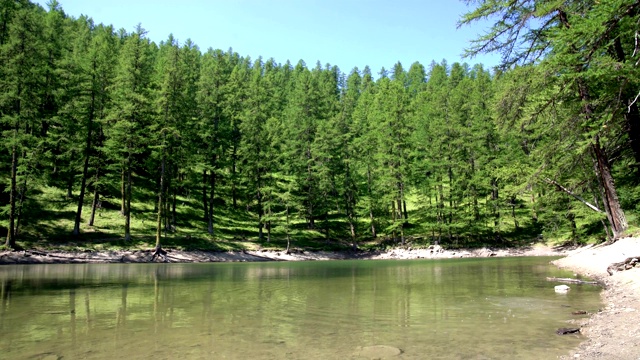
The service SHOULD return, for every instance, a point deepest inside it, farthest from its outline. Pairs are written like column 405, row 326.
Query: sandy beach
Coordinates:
column 614, row 332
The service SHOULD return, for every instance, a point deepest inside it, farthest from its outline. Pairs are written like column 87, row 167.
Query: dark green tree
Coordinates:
column 130, row 113
column 23, row 57
column 583, row 48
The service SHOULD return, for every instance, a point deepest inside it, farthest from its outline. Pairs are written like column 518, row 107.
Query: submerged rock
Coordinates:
column 565, row 331
column 562, row 289
column 377, row 352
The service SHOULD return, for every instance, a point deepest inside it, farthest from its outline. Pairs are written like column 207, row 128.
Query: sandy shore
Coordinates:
column 178, row 256
column 614, row 332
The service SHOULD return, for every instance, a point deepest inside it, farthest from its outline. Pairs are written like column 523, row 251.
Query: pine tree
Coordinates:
column 23, row 57
column 390, row 116
column 87, row 71
column 365, row 144
column 233, row 110
column 166, row 135
column 583, row 49
column 301, row 116
column 253, row 145
column 214, row 126
column 130, row 113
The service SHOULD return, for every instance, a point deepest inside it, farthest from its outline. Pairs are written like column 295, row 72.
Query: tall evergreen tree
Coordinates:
column 585, row 44
column 390, row 115
column 23, row 57
column 87, row 71
column 365, row 145
column 131, row 111
column 165, row 130
column 214, row 126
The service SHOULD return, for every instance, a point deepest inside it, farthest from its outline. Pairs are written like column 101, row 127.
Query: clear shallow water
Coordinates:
column 495, row 308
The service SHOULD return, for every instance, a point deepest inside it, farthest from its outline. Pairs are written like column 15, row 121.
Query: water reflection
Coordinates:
column 323, row 310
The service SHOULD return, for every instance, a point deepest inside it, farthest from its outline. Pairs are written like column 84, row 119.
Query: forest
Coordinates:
column 108, row 135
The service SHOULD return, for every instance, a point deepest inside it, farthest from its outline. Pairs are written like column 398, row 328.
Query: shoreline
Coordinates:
column 612, row 333
column 197, row 256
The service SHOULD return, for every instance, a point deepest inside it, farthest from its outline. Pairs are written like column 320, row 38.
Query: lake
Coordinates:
column 489, row 308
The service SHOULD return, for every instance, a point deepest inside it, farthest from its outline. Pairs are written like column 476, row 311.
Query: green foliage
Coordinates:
column 214, row 150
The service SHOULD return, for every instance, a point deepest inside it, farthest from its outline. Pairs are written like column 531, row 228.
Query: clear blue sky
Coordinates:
column 346, row 33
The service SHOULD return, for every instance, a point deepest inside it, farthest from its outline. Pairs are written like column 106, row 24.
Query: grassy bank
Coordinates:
column 49, row 215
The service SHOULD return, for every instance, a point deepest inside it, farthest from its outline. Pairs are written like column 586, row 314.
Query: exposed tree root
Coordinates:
column 159, row 252
column 629, row 263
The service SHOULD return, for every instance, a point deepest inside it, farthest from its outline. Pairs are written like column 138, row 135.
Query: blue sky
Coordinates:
column 346, row 33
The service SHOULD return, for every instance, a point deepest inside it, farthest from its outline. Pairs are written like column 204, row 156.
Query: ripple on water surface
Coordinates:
column 480, row 308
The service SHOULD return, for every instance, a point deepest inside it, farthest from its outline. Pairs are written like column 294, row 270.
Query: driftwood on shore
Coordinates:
column 573, row 281
column 628, row 263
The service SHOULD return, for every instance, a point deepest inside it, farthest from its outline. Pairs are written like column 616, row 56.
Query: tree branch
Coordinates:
column 576, row 196
column 633, row 102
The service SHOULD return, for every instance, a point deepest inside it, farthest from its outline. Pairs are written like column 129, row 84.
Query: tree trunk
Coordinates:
column 22, row 197
column 370, row 192
column 632, row 118
column 212, row 182
column 572, row 224
column 234, row 195
column 534, row 214
column 159, row 217
column 11, row 233
column 326, row 226
column 85, row 170
column 174, row 220
column 288, row 230
column 394, row 216
column 70, row 185
column 494, row 201
column 123, row 191
column 204, row 195
column 513, row 213
column 351, row 220
column 95, row 203
column 404, row 208
column 127, row 214
column 615, row 214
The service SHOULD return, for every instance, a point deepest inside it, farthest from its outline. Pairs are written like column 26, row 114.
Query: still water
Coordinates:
column 496, row 308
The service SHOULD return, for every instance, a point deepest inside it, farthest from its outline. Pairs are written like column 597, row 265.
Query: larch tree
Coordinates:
column 390, row 116
column 165, row 132
column 23, row 58
column 588, row 49
column 87, row 72
column 130, row 112
column 365, row 145
column 214, row 125
column 253, row 146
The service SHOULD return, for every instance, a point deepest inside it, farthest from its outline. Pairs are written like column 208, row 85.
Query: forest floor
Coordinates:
column 614, row 332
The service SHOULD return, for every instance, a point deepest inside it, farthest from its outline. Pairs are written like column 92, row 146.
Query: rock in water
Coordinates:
column 377, row 352
column 565, row 331
column 562, row 289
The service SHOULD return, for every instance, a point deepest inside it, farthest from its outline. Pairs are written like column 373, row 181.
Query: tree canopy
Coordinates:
column 212, row 146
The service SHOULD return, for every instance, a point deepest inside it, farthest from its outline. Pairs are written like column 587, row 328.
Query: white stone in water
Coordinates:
column 377, row 352
column 562, row 289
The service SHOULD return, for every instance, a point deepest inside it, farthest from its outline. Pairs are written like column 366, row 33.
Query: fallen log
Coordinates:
column 573, row 281
column 628, row 263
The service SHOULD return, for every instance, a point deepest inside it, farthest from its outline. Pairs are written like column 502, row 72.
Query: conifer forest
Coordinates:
column 109, row 135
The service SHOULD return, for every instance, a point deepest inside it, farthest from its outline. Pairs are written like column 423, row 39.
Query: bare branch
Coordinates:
column 633, row 102
column 576, row 196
